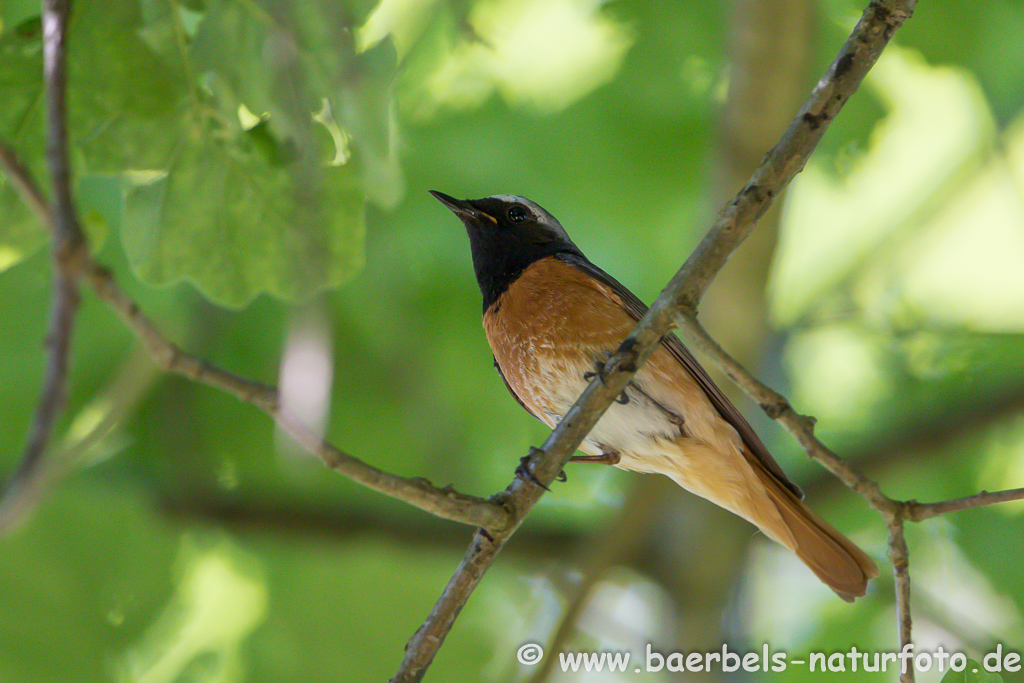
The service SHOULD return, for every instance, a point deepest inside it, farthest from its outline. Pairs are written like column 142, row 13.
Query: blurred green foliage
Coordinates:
column 237, row 161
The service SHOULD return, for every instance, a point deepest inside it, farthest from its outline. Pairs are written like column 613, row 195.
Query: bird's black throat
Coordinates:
column 499, row 260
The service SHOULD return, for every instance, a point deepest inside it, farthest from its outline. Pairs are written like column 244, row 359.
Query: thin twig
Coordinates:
column 879, row 22
column 51, row 399
column 917, row 512
column 68, row 236
column 899, row 555
column 23, row 183
column 68, row 245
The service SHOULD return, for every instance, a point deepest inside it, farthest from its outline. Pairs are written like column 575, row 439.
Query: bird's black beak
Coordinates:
column 462, row 208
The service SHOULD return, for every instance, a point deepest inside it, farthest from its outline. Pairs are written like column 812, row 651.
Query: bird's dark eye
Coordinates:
column 516, row 214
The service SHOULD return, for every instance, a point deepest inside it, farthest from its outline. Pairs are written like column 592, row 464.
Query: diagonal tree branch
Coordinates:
column 877, row 25
column 68, row 244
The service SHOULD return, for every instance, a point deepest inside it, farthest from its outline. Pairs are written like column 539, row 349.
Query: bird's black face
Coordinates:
column 506, row 234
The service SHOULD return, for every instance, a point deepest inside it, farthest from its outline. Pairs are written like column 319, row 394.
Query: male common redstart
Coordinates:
column 551, row 316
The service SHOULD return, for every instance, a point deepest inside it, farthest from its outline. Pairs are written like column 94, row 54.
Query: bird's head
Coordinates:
column 507, row 233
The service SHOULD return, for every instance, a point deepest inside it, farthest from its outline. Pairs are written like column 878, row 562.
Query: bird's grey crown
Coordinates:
column 537, row 212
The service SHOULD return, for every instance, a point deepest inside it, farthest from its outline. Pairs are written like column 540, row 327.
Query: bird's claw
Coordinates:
column 524, row 471
column 599, row 371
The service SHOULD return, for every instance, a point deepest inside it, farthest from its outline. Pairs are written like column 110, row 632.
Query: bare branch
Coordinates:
column 899, row 556
column 51, row 399
column 68, row 245
column 917, row 512
column 68, row 237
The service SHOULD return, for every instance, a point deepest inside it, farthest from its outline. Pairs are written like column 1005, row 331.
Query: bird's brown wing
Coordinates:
column 636, row 310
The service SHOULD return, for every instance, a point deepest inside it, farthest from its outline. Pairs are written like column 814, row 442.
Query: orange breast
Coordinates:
column 548, row 329
column 553, row 325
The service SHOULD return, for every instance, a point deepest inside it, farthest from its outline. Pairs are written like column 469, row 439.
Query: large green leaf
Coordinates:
column 262, row 113
column 225, row 219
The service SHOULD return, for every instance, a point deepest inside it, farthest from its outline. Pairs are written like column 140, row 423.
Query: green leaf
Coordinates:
column 281, row 192
column 124, row 97
column 222, row 106
column 283, row 63
column 223, row 219
column 21, row 69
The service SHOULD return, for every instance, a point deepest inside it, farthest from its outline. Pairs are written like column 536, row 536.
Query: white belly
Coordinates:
column 626, row 428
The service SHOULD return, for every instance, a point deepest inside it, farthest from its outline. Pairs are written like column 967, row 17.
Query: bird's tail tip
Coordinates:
column 834, row 558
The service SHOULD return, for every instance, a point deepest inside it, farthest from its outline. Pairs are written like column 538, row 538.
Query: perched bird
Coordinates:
column 551, row 316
